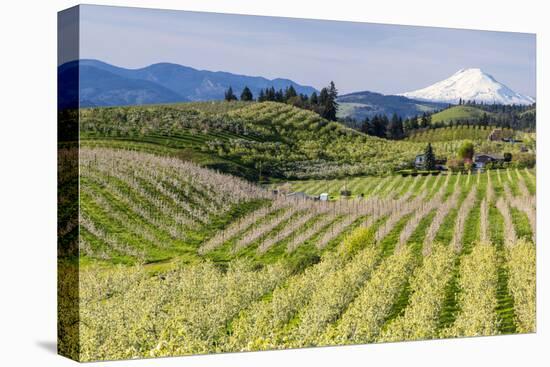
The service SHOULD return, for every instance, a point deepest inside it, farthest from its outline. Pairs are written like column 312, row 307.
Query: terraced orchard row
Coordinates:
column 141, row 207
column 412, row 258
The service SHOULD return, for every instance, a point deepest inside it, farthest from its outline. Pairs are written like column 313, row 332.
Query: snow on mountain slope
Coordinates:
column 470, row 84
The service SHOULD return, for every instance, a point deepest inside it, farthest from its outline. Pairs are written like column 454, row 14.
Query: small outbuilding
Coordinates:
column 419, row 161
column 482, row 159
column 323, row 196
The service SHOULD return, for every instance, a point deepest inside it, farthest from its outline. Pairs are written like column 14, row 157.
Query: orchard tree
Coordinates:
column 466, row 151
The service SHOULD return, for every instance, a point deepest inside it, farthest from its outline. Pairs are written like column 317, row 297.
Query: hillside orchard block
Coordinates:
column 203, row 211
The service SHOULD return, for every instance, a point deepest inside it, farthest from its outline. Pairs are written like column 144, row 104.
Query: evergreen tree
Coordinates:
column 395, row 128
column 323, row 97
column 386, row 122
column 279, row 96
column 327, row 102
column 229, row 95
column 414, row 123
column 270, row 94
column 290, row 92
column 323, row 100
column 484, row 121
column 424, row 120
column 429, row 158
column 261, row 96
column 313, row 100
column 246, row 94
column 331, row 107
column 407, row 125
column 378, row 126
column 373, row 125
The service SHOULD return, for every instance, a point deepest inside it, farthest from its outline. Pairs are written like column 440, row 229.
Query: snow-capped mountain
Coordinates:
column 470, row 84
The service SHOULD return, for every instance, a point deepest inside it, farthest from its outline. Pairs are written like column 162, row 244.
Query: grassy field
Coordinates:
column 461, row 132
column 458, row 113
column 181, row 259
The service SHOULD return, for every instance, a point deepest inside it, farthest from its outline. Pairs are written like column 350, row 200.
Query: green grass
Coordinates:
column 454, row 133
column 415, row 241
column 521, row 222
column 361, row 186
column 505, row 302
column 458, row 113
column 450, row 307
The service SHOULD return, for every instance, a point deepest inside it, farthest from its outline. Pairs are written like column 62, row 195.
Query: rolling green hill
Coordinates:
column 530, row 111
column 458, row 113
column 265, row 140
column 360, row 105
column 462, row 132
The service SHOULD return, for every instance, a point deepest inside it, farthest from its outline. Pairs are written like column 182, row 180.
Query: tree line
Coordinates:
column 323, row 103
column 496, row 107
column 396, row 127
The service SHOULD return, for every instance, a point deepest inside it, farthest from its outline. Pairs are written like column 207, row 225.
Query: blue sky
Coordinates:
column 357, row 56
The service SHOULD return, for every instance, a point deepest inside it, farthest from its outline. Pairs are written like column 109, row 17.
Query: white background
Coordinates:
column 28, row 181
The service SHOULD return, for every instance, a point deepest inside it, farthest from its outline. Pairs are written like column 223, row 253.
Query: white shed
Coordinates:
column 323, row 196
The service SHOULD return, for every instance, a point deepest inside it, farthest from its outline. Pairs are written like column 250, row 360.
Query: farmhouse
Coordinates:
column 419, row 161
column 480, row 160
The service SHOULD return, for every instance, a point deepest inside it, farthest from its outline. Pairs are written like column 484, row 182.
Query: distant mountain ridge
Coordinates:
column 359, row 105
column 102, row 84
column 470, row 84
